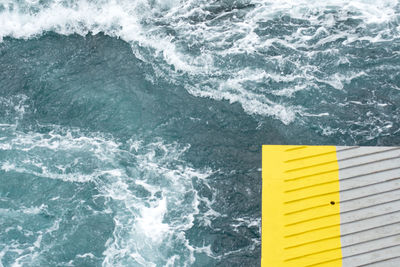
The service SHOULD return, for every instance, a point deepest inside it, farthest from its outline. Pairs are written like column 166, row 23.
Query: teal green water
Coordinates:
column 131, row 132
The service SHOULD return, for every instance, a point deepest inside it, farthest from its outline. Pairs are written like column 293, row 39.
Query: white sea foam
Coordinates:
column 213, row 36
column 34, row 210
column 14, row 108
column 152, row 206
column 160, row 219
column 90, row 255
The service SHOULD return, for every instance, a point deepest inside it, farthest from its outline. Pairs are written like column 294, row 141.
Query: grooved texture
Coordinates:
column 370, row 206
column 331, row 206
column 301, row 214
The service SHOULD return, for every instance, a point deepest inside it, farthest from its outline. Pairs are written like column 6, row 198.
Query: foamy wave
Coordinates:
column 153, row 200
column 161, row 218
column 207, row 38
column 128, row 20
column 69, row 150
column 13, row 109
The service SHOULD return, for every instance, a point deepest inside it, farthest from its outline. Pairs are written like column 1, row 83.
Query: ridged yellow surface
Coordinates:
column 300, row 206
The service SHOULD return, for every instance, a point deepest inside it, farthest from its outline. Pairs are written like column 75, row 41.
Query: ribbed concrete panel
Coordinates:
column 331, row 206
column 301, row 210
column 369, row 179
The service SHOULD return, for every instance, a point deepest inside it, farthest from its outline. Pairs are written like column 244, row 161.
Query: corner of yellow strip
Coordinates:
column 300, row 206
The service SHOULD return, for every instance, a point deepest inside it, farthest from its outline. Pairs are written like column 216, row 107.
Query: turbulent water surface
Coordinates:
column 131, row 131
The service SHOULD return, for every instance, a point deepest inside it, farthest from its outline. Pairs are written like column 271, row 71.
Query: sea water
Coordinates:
column 131, row 131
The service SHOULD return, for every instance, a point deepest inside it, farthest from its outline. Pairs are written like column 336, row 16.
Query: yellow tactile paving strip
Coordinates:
column 300, row 206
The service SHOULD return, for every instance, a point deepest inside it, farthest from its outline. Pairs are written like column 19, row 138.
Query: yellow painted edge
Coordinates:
column 300, row 228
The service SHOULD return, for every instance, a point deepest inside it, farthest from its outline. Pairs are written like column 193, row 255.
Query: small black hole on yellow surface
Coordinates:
column 332, row 202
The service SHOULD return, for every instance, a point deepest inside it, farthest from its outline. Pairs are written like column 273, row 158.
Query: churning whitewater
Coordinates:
column 131, row 131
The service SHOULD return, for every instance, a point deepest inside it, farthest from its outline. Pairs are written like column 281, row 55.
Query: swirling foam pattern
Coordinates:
column 131, row 131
